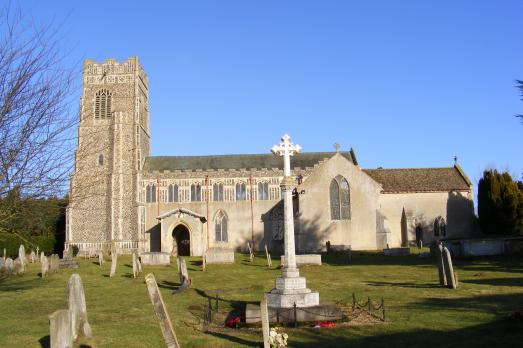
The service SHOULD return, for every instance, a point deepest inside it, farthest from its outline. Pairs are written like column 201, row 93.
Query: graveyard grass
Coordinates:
column 419, row 313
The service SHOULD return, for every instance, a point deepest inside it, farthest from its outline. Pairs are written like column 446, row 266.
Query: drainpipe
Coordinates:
column 252, row 215
column 207, row 203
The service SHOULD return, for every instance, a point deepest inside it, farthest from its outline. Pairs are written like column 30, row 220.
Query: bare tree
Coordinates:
column 36, row 122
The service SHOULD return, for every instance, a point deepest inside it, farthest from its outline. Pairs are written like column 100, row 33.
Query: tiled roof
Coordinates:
column 420, row 179
column 269, row 161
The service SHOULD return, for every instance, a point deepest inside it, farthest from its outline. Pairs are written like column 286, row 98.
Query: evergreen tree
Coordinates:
column 500, row 204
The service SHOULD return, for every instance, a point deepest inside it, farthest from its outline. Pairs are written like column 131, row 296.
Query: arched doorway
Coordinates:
column 182, row 238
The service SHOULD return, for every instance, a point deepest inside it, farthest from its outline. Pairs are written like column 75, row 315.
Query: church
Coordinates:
column 122, row 197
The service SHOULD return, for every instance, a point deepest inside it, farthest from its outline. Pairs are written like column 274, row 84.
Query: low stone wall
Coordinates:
column 305, row 259
column 155, row 258
column 396, row 252
column 219, row 256
column 286, row 315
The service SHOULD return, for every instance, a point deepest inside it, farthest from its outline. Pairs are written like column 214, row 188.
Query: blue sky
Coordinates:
column 406, row 83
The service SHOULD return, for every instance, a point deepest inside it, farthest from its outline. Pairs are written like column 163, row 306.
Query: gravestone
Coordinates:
column 185, row 281
column 438, row 250
column 53, row 263
column 44, row 266
column 264, row 311
column 139, row 263
column 114, row 260
column 219, row 256
column 32, row 256
column 60, row 329
column 251, row 255
column 77, row 306
column 21, row 255
column 9, row 265
column 100, row 258
column 18, row 267
column 449, row 269
column 161, row 312
column 5, row 258
column 37, row 253
column 135, row 266
column 269, row 261
column 2, row 265
column 204, row 262
column 155, row 258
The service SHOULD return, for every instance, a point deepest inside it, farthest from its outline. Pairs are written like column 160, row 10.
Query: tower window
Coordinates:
column 101, row 159
column 102, row 104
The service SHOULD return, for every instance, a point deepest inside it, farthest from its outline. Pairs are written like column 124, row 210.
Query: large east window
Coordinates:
column 339, row 198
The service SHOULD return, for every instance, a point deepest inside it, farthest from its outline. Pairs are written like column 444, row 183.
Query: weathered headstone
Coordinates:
column 44, row 266
column 5, row 258
column 251, row 255
column 185, row 281
column 100, row 258
column 9, row 265
column 114, row 260
column 32, row 256
column 161, row 312
column 21, row 255
column 2, row 265
column 18, row 267
column 438, row 250
column 204, row 261
column 78, row 308
column 135, row 266
column 269, row 262
column 264, row 311
column 449, row 269
column 60, row 329
column 139, row 263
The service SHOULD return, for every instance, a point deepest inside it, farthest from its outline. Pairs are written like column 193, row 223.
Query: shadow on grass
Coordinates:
column 404, row 285
column 169, row 285
column 499, row 333
column 496, row 281
column 234, row 339
column 19, row 284
column 363, row 258
column 45, row 342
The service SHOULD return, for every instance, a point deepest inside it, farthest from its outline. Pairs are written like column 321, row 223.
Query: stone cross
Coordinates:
column 161, row 312
column 286, row 149
column 60, row 329
column 337, row 147
column 264, row 312
column 78, row 308
column 114, row 260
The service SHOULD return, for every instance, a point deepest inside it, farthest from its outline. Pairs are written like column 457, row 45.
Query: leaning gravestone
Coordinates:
column 161, row 312
column 264, row 311
column 269, row 261
column 44, row 266
column 78, row 307
column 441, row 265
column 60, row 329
column 449, row 269
column 114, row 260
column 185, row 282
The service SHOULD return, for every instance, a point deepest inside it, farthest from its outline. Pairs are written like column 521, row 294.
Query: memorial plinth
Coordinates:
column 290, row 289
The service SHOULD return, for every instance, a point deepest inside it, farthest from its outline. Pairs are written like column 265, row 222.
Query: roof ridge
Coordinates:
column 245, row 154
column 409, row 168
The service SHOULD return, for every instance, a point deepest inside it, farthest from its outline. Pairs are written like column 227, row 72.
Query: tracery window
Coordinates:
column 263, row 191
column 217, row 192
column 339, row 191
column 241, row 191
column 172, row 193
column 196, row 193
column 102, row 104
column 220, row 227
column 150, row 193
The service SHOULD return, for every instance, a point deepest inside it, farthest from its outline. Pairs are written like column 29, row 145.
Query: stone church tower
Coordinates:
column 113, row 140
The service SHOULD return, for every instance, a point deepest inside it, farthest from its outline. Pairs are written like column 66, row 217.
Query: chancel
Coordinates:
column 123, row 197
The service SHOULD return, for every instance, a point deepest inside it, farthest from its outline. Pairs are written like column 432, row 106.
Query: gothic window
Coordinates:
column 172, row 193
column 241, row 191
column 196, row 193
column 102, row 105
column 101, row 159
column 217, row 192
column 220, row 227
column 150, row 194
column 440, row 228
column 339, row 192
column 263, row 191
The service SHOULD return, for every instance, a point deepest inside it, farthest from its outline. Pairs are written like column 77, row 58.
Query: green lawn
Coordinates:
column 419, row 312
